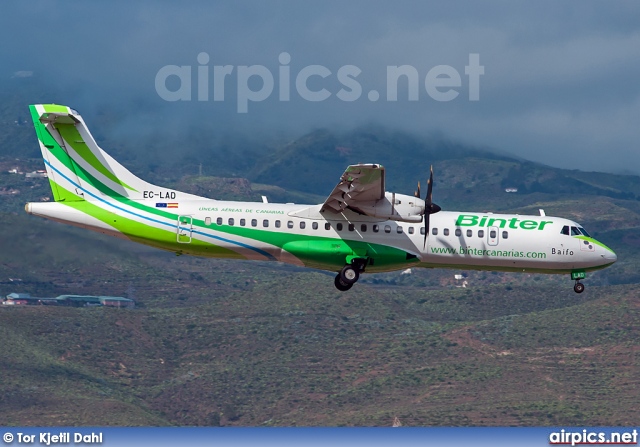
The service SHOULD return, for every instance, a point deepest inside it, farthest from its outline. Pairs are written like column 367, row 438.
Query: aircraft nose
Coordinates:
column 610, row 256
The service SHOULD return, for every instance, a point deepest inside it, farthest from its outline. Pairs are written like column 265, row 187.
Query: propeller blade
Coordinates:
column 426, row 229
column 428, row 199
column 429, row 207
column 417, row 193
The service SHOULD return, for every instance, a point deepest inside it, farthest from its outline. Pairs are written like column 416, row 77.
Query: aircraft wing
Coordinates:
column 360, row 184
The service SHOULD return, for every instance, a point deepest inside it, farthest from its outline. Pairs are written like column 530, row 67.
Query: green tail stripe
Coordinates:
column 52, row 148
column 61, row 194
column 54, row 108
column 71, row 135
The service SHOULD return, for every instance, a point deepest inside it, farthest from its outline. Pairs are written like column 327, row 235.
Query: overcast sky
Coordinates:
column 561, row 82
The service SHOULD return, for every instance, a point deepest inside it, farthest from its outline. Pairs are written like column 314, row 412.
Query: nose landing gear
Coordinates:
column 578, row 275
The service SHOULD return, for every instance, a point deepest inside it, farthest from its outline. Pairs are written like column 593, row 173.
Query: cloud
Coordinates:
column 560, row 84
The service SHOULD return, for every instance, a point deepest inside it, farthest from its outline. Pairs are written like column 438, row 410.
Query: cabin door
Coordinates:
column 185, row 228
column 493, row 236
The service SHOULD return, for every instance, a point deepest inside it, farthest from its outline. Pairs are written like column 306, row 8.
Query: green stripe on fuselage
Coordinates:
column 314, row 251
column 149, row 235
column 594, row 241
column 321, row 252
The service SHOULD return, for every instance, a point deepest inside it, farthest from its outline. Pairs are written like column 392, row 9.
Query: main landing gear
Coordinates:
column 578, row 287
column 349, row 274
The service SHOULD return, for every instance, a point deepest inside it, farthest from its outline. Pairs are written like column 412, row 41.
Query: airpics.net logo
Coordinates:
column 313, row 83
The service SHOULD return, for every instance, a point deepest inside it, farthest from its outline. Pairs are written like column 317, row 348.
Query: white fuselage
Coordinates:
column 263, row 231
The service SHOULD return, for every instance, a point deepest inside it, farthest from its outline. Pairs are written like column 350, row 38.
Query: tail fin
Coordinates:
column 77, row 167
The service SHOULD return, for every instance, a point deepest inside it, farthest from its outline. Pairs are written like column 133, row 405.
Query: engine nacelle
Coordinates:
column 399, row 207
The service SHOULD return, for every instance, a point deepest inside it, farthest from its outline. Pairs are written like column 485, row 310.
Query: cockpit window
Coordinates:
column 574, row 231
column 583, row 231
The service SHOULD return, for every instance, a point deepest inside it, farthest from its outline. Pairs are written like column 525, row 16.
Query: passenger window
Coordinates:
column 446, row 232
column 277, row 224
column 565, row 230
column 387, row 229
column 458, row 232
column 505, row 235
column 327, row 226
column 243, row 222
column 219, row 220
column 363, row 228
column 434, row 231
column 399, row 229
column 207, row 221
column 314, row 225
column 480, row 233
column 492, row 234
column 376, row 228
column 254, row 222
column 339, row 226
column 469, row 233
column 352, row 227
column 410, row 230
column 303, row 225
column 290, row 224
column 422, row 230
column 265, row 223
column 231, row 221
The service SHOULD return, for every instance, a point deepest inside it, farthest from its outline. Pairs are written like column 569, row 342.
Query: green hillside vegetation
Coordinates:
column 310, row 356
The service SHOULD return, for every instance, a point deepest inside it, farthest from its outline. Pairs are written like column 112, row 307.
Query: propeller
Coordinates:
column 429, row 207
column 417, row 193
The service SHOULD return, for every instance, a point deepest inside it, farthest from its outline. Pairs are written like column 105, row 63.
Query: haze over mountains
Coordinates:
column 309, row 163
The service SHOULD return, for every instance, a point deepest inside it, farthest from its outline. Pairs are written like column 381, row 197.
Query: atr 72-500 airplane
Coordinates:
column 359, row 227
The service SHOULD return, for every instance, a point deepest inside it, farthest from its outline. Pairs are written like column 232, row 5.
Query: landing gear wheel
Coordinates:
column 349, row 274
column 578, row 287
column 341, row 286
